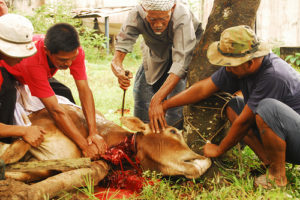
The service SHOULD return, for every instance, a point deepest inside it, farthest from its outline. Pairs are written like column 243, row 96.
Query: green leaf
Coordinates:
column 293, row 59
column 288, row 57
column 298, row 62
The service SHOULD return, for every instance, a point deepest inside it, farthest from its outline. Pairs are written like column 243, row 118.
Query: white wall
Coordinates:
column 278, row 21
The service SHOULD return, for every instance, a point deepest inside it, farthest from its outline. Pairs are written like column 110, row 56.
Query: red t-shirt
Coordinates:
column 35, row 71
column 1, row 80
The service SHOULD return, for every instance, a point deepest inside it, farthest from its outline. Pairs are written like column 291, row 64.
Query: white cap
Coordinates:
column 162, row 5
column 16, row 36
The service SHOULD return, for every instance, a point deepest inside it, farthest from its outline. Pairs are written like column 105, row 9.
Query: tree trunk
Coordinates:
column 203, row 120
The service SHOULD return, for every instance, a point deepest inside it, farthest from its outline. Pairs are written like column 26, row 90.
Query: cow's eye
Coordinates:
column 173, row 131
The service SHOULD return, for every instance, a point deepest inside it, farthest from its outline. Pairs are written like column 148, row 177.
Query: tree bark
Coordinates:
column 203, row 120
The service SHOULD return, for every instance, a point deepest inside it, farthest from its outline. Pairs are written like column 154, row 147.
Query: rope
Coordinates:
column 227, row 98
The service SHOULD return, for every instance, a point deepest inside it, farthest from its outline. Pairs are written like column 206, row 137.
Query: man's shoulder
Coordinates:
column 183, row 15
column 273, row 64
column 181, row 11
column 135, row 12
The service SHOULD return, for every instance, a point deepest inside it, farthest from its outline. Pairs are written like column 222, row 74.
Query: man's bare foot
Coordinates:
column 269, row 181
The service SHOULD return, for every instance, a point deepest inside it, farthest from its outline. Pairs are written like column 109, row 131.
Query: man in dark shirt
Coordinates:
column 267, row 117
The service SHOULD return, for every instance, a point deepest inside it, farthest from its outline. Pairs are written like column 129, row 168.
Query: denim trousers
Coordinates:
column 143, row 93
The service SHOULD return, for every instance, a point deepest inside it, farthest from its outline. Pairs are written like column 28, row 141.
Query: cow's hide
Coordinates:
column 165, row 152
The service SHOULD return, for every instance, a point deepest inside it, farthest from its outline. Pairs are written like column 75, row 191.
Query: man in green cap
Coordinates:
column 267, row 117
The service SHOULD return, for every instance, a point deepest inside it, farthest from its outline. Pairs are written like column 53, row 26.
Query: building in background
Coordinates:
column 278, row 22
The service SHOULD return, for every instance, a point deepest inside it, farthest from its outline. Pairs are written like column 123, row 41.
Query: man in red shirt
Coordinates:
column 15, row 44
column 3, row 8
column 60, row 49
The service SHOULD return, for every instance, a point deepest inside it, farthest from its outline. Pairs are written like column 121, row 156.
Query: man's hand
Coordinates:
column 212, row 150
column 157, row 116
column 34, row 135
column 123, row 77
column 118, row 70
column 99, row 142
column 91, row 151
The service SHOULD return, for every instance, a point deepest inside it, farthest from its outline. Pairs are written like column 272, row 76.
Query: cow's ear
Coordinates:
column 133, row 123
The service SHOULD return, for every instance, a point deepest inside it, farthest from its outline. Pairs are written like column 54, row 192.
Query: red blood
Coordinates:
column 129, row 180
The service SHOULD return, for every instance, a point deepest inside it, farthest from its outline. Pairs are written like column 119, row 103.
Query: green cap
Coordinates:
column 237, row 45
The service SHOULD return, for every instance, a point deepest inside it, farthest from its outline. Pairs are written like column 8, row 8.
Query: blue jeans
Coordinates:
column 143, row 93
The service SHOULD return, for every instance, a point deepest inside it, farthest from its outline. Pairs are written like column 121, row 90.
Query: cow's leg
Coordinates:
column 15, row 151
column 29, row 176
column 68, row 180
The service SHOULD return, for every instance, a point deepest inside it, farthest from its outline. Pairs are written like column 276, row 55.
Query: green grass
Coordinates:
column 104, row 85
column 235, row 181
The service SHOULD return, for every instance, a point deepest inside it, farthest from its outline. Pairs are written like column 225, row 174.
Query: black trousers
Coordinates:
column 7, row 97
column 7, row 100
column 61, row 89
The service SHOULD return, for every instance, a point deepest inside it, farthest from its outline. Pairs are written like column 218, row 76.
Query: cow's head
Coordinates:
column 165, row 152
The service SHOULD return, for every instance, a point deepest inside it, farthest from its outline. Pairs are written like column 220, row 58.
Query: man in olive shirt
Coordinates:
column 170, row 32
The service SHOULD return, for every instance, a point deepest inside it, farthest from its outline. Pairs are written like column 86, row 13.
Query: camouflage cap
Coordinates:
column 237, row 45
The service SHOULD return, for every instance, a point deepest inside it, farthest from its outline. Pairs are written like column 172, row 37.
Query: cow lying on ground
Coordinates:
column 165, row 152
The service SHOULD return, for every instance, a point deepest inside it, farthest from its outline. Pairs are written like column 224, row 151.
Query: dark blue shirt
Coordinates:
column 275, row 79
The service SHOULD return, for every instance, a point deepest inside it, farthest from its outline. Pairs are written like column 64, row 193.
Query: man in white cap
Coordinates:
column 60, row 50
column 267, row 118
column 15, row 44
column 170, row 32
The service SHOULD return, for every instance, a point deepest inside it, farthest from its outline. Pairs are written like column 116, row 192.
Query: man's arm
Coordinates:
column 238, row 130
column 88, row 107
column 65, row 123
column 118, row 70
column 155, row 111
column 198, row 91
column 33, row 135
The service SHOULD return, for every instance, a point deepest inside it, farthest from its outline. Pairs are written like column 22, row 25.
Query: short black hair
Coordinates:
column 61, row 37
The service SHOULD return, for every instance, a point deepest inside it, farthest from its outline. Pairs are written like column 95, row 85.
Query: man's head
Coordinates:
column 61, row 45
column 158, row 13
column 237, row 45
column 3, row 8
column 15, row 38
column 238, row 49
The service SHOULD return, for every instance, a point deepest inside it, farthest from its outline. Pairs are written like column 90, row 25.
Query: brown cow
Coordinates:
column 165, row 152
